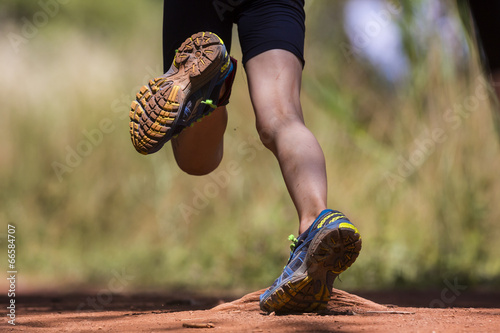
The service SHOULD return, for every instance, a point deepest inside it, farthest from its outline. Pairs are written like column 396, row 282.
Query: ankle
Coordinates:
column 308, row 220
column 305, row 224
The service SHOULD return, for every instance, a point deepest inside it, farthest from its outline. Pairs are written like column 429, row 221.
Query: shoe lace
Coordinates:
column 294, row 241
column 293, row 246
column 210, row 103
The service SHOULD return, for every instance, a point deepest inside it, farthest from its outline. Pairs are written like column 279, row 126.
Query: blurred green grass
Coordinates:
column 79, row 219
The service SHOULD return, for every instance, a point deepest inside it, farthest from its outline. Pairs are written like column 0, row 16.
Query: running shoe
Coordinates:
column 187, row 92
column 330, row 246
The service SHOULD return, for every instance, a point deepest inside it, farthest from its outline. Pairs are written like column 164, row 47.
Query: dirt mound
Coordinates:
column 341, row 302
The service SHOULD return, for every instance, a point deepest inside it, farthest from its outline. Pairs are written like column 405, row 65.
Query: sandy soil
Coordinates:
column 176, row 311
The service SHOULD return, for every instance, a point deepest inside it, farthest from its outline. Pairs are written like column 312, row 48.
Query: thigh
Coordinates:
column 274, row 80
column 182, row 18
column 265, row 25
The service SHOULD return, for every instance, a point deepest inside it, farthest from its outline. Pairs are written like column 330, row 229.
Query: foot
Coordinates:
column 319, row 255
column 188, row 91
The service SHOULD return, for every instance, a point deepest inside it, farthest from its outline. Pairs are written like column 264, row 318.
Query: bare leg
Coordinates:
column 274, row 79
column 198, row 149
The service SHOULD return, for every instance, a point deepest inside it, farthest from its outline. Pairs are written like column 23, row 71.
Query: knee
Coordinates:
column 198, row 166
column 267, row 135
column 271, row 128
column 198, row 169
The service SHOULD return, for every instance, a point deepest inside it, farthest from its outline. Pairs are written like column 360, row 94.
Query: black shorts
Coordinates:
column 263, row 25
column 486, row 17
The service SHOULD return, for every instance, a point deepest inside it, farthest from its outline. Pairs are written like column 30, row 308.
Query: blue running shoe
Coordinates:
column 187, row 92
column 330, row 246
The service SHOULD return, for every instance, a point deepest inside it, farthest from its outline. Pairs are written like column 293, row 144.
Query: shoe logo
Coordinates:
column 186, row 112
column 334, row 217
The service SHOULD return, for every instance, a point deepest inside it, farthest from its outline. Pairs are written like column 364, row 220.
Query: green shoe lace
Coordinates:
column 210, row 103
column 294, row 241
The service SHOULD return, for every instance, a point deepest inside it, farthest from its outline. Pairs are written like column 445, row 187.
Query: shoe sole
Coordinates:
column 330, row 253
column 157, row 108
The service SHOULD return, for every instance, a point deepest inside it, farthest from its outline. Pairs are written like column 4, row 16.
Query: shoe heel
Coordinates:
column 200, row 52
column 337, row 249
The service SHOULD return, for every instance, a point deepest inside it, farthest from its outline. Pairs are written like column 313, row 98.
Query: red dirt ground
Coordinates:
column 162, row 312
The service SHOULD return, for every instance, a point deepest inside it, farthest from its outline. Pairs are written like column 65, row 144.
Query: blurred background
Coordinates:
column 393, row 90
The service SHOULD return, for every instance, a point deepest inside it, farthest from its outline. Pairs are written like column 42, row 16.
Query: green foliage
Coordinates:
column 86, row 204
